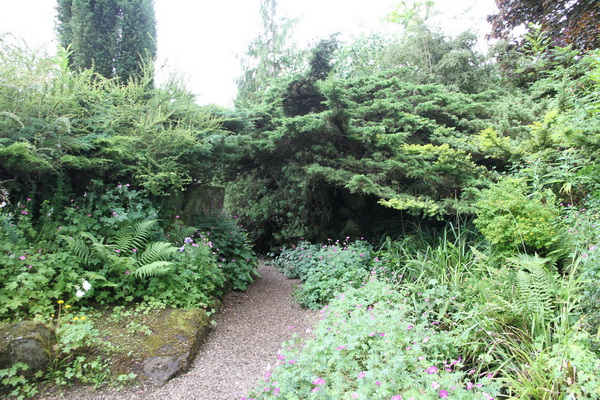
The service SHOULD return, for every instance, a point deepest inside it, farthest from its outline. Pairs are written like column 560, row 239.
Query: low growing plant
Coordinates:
column 369, row 344
column 230, row 244
column 326, row 270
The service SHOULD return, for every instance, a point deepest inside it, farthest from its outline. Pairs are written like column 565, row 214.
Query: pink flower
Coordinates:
column 378, row 383
column 470, row 385
column 134, row 250
column 22, row 258
column 24, row 212
column 127, row 272
column 28, row 199
column 443, row 394
column 361, row 375
column 435, row 385
column 409, row 327
column 396, row 397
column 432, row 370
column 319, row 381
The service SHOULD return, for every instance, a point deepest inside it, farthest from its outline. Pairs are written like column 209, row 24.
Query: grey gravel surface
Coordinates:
column 240, row 350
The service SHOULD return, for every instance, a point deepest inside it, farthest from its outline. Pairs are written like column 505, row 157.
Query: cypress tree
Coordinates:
column 112, row 36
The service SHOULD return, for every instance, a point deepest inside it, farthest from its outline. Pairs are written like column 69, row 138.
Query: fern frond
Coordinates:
column 157, row 251
column 156, row 268
column 536, row 288
column 179, row 235
column 135, row 236
column 79, row 247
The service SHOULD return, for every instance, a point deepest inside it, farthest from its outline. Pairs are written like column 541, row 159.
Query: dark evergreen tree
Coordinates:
column 115, row 37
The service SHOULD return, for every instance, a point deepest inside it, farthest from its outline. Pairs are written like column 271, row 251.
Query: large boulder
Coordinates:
column 175, row 340
column 26, row 342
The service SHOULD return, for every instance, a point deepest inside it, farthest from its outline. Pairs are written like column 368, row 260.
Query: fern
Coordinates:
column 182, row 232
column 79, row 247
column 156, row 251
column 135, row 236
column 536, row 288
column 156, row 268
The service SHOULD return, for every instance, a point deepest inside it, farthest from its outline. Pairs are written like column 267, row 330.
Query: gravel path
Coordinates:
column 251, row 327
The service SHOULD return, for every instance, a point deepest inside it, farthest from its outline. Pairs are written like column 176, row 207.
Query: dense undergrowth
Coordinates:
column 444, row 317
column 476, row 189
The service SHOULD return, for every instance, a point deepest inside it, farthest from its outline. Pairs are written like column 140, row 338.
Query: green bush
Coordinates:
column 371, row 344
column 230, row 244
column 514, row 220
column 326, row 270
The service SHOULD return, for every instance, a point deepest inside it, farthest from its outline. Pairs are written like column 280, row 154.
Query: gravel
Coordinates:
column 240, row 350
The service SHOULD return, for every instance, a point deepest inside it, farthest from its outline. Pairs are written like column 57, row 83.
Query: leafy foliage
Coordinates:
column 81, row 126
column 514, row 221
column 325, row 271
column 566, row 22
column 230, row 244
column 381, row 349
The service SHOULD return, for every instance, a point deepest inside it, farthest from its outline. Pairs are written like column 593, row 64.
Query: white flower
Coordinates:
column 79, row 293
column 2, row 204
column 86, row 285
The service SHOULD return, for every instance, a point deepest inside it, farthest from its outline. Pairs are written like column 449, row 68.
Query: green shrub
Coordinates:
column 514, row 220
column 230, row 244
column 326, row 270
column 370, row 344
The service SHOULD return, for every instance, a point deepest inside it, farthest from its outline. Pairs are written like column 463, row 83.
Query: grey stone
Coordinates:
column 27, row 342
column 170, row 350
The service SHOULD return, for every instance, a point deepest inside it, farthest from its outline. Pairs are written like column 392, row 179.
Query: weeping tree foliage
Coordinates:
column 329, row 151
column 115, row 37
column 78, row 126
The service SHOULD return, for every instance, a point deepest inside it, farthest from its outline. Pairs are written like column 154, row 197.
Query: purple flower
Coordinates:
column 188, row 240
column 182, row 248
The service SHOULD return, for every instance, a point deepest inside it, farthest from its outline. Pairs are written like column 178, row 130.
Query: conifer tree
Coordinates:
column 112, row 36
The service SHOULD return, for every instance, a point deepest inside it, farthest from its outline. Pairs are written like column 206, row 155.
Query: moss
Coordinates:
column 131, row 339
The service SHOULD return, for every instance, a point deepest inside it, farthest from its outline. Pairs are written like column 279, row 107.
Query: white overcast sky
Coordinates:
column 201, row 40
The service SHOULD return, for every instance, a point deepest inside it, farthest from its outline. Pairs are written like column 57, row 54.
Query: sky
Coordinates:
column 201, row 41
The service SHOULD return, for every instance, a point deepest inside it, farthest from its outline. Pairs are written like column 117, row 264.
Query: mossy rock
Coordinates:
column 156, row 346
column 26, row 342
